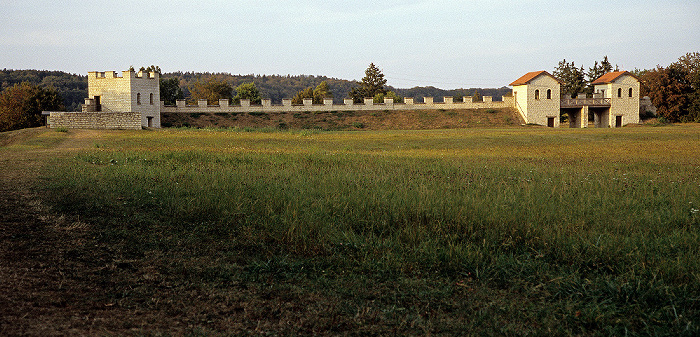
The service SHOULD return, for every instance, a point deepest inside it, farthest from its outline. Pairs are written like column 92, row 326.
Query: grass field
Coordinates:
column 516, row 231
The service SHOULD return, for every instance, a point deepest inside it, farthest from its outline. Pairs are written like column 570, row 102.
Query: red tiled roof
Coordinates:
column 525, row 79
column 612, row 76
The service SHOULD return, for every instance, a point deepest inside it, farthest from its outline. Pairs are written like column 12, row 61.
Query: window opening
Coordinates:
column 630, row 92
column 537, row 94
column 619, row 92
column 138, row 98
column 549, row 93
column 151, row 98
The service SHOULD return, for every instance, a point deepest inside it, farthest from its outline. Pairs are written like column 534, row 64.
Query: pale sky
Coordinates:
column 446, row 44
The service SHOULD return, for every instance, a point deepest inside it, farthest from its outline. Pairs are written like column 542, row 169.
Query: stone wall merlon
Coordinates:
column 389, row 104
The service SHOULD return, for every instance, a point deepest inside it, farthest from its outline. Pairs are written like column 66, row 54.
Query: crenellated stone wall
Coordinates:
column 368, row 105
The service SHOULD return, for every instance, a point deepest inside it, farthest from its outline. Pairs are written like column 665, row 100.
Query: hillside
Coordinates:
column 349, row 120
column 72, row 87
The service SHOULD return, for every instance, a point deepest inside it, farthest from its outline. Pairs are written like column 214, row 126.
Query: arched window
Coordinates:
column 138, row 98
column 619, row 92
column 151, row 98
column 630, row 92
column 537, row 94
column 549, row 93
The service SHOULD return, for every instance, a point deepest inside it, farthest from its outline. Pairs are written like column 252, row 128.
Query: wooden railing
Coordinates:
column 579, row 102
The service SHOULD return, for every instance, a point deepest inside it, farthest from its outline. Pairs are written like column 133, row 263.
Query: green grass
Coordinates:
column 516, row 231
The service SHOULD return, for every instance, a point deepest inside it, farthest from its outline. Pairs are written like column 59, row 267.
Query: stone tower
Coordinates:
column 131, row 92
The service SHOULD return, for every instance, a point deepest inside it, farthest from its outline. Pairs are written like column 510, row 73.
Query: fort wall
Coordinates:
column 327, row 106
column 94, row 120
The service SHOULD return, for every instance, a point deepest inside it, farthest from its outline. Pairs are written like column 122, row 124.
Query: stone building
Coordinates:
column 129, row 101
column 536, row 96
column 131, row 92
column 614, row 103
column 622, row 89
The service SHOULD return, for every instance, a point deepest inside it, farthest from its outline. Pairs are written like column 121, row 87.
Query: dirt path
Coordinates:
column 44, row 258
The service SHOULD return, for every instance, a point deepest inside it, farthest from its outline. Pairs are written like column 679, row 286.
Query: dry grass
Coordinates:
column 478, row 231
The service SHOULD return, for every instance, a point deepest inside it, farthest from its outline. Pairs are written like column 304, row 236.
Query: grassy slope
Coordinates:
column 512, row 231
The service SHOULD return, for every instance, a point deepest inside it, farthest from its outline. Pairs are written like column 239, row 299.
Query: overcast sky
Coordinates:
column 447, row 44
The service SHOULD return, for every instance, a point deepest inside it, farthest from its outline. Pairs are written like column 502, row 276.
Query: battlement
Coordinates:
column 448, row 103
column 124, row 74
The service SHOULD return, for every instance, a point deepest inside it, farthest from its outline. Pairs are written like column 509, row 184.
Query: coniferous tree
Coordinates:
column 372, row 84
column 596, row 72
column 170, row 90
column 573, row 78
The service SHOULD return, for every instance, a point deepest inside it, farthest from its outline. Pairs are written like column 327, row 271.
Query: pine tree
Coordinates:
column 372, row 84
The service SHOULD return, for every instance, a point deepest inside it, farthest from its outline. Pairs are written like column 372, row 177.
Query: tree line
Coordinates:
column 213, row 86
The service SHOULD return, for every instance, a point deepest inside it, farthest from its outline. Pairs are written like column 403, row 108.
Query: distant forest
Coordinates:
column 73, row 88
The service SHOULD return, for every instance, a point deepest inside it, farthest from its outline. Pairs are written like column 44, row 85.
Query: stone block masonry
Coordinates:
column 368, row 105
column 95, row 120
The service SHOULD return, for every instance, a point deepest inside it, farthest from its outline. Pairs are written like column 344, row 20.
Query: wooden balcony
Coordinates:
column 580, row 102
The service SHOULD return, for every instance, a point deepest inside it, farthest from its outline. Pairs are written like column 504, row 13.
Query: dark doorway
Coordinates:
column 98, row 104
column 550, row 122
column 150, row 121
column 618, row 121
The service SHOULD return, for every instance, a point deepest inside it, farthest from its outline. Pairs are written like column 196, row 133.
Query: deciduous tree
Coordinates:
column 322, row 91
column 675, row 90
column 306, row 93
column 247, row 91
column 379, row 98
column 211, row 89
column 317, row 95
column 21, row 105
